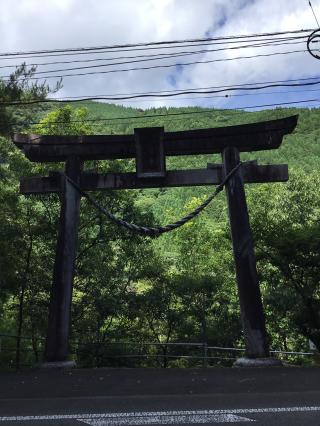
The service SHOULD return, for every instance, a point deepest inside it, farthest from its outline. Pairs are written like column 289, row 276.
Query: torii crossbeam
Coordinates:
column 150, row 147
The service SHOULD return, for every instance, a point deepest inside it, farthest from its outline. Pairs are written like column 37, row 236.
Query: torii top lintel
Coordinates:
column 247, row 137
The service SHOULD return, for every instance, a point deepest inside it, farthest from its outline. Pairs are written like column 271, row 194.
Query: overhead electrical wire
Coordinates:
column 176, row 93
column 270, row 42
column 315, row 16
column 243, row 86
column 221, row 86
column 181, row 64
column 165, row 116
column 155, row 43
column 152, row 57
column 159, row 66
column 165, row 55
column 157, row 48
column 226, row 97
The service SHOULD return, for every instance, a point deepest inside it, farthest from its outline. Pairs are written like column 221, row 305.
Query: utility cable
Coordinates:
column 155, row 56
column 147, row 44
column 162, row 58
column 268, row 40
column 166, row 95
column 168, row 116
column 182, row 64
column 104, row 97
column 178, row 91
column 315, row 16
column 226, row 96
column 241, row 86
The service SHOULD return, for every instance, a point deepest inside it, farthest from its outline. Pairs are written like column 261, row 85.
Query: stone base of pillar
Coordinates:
column 57, row 364
column 257, row 362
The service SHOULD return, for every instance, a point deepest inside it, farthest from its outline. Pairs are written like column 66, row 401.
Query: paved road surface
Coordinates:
column 276, row 396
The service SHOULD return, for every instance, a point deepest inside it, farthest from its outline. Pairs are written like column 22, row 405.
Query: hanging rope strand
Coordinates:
column 154, row 231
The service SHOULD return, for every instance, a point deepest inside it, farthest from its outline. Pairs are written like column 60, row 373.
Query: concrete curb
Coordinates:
column 258, row 362
column 58, row 365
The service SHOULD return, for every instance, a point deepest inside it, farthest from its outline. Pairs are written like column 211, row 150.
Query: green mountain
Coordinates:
column 300, row 149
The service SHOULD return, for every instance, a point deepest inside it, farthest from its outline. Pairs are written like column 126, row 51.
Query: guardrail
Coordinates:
column 135, row 354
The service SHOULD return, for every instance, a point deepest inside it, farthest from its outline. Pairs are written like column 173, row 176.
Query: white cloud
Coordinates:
column 36, row 24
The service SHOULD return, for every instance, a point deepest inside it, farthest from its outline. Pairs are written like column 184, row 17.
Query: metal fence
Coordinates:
column 172, row 354
column 20, row 351
column 150, row 354
column 136, row 354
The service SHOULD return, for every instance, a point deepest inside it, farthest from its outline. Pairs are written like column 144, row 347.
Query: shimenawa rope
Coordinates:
column 154, row 231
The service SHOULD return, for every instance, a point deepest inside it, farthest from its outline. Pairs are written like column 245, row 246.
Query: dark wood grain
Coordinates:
column 252, row 315
column 246, row 137
column 61, row 292
column 174, row 178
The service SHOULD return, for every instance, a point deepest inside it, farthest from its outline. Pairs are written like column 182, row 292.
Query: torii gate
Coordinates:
column 150, row 146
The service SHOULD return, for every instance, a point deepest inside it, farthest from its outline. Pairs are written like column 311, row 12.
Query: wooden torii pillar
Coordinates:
column 150, row 146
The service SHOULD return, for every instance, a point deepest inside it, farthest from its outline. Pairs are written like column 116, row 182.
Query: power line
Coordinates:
column 226, row 97
column 161, row 55
column 94, row 120
column 235, row 95
column 219, row 87
column 182, row 64
column 315, row 16
column 242, row 86
column 160, row 66
column 166, row 95
column 228, row 42
column 242, row 108
column 157, row 43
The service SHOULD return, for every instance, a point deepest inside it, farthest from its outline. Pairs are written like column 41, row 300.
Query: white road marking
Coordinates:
column 132, row 415
column 167, row 420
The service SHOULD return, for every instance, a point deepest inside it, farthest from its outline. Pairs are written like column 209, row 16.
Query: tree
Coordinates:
column 19, row 237
column 287, row 233
column 19, row 96
column 26, row 249
column 295, row 286
column 64, row 121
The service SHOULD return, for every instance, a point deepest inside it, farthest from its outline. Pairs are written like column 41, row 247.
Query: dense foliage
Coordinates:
column 179, row 287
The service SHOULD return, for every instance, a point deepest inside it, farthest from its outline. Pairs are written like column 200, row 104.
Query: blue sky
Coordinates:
column 38, row 25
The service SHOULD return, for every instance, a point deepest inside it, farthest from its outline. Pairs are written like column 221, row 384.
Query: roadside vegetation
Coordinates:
column 177, row 288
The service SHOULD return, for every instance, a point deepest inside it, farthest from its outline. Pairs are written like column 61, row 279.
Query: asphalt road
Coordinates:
column 275, row 396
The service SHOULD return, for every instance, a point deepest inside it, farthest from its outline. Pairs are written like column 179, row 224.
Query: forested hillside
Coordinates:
column 181, row 286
